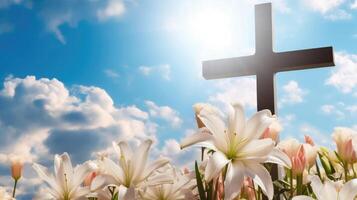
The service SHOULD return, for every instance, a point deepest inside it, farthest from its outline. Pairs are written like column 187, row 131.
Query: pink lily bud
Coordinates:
column 348, row 153
column 308, row 140
column 89, row 179
column 299, row 161
column 310, row 155
column 17, row 165
column 345, row 141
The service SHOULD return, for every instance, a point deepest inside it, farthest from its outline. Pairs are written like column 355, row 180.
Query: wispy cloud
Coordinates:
column 67, row 12
column 164, row 71
column 111, row 73
column 339, row 15
column 333, row 110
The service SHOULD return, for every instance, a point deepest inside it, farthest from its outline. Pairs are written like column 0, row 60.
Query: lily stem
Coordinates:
column 299, row 184
column 345, row 166
column 291, row 184
column 14, row 191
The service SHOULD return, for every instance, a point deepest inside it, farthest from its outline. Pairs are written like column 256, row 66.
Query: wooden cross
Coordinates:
column 265, row 63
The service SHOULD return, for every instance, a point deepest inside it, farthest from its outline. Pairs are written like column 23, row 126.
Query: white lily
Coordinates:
column 180, row 189
column 331, row 190
column 4, row 195
column 66, row 182
column 133, row 171
column 238, row 146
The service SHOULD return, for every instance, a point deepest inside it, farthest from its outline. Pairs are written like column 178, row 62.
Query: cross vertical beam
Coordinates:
column 263, row 29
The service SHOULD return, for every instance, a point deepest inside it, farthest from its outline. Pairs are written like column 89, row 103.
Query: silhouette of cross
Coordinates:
column 265, row 63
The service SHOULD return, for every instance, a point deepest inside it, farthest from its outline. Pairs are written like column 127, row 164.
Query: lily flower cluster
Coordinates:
column 238, row 157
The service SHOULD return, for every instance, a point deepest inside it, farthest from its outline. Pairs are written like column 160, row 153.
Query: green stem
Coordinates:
column 14, row 191
column 291, row 184
column 345, row 167
column 299, row 184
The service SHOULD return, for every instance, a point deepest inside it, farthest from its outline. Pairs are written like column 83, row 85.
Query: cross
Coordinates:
column 265, row 63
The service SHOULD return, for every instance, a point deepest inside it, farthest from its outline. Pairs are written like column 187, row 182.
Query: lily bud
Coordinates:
column 16, row 167
column 345, row 141
column 308, row 140
column 310, row 155
column 299, row 161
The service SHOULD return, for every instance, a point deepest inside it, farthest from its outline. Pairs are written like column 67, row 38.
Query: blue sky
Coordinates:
column 78, row 74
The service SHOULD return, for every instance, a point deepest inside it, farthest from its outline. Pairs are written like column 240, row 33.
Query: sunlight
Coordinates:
column 212, row 28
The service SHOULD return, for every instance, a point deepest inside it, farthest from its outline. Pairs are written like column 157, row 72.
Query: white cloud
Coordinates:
column 111, row 73
column 292, row 93
column 323, row 6
column 162, row 70
column 181, row 158
column 115, row 8
column 343, row 77
column 164, row 112
column 67, row 12
column 354, row 5
column 242, row 90
column 145, row 70
column 39, row 116
column 338, row 15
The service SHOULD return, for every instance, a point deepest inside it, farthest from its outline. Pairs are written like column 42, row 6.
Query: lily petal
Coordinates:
column 234, row 180
column 139, row 159
column 278, row 157
column 318, row 188
column 114, row 170
column 257, row 148
column 125, row 149
column 349, row 190
column 256, row 125
column 215, row 165
column 153, row 166
column 261, row 177
column 201, row 136
column 236, row 119
column 101, row 181
column 47, row 177
column 80, row 173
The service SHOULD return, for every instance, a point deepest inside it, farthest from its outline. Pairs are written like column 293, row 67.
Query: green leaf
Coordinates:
column 200, row 187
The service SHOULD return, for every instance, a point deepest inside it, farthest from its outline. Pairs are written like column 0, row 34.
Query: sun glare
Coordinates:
column 212, row 28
